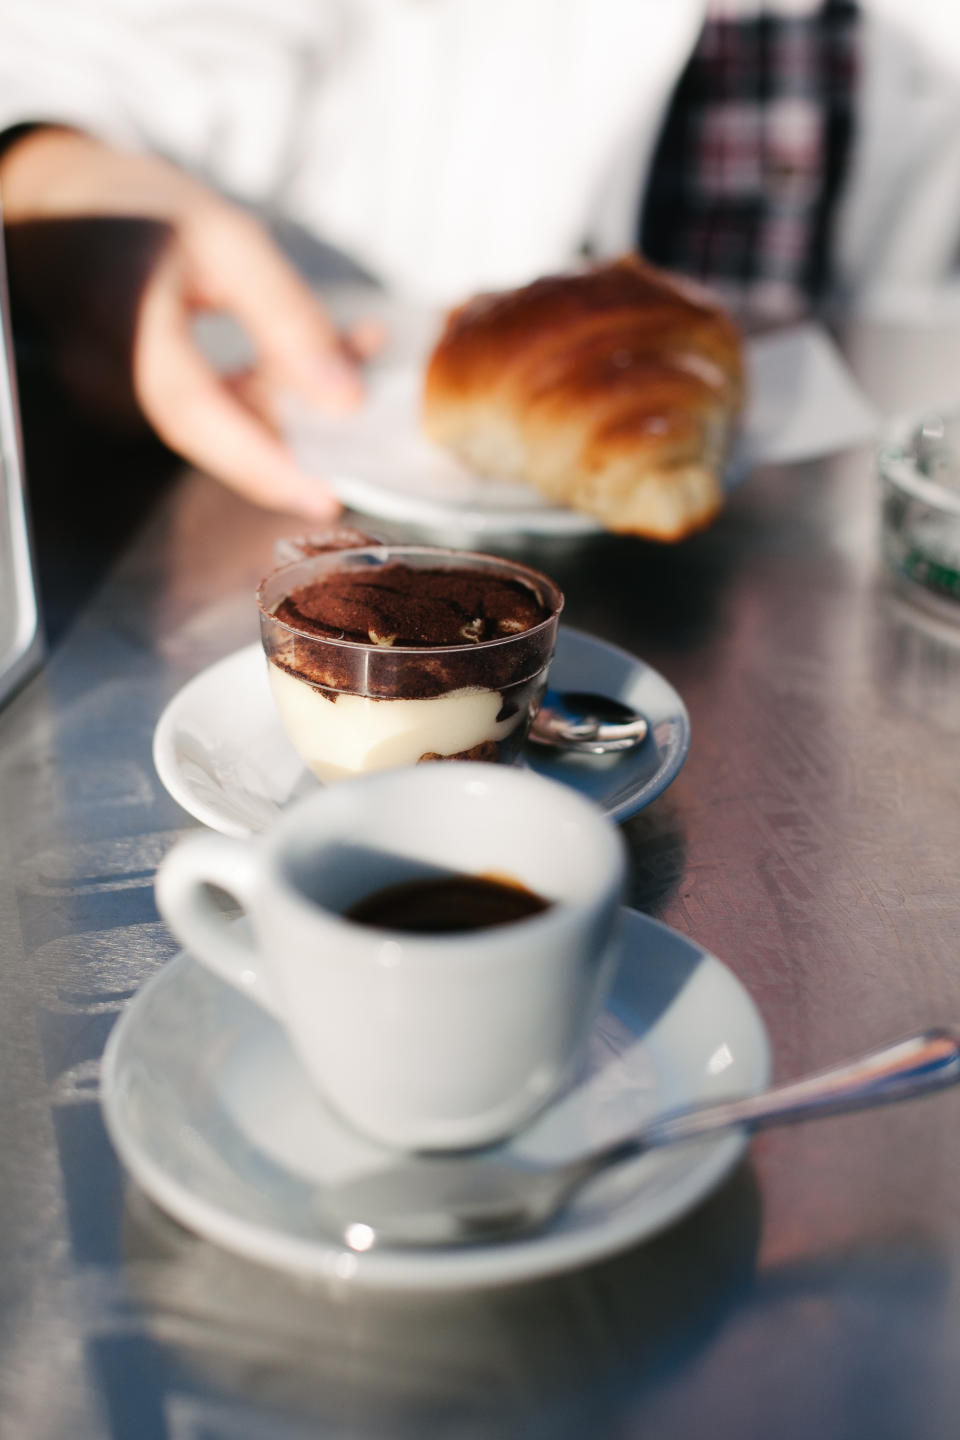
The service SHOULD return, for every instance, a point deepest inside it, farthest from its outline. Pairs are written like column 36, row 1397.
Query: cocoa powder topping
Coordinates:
column 396, row 604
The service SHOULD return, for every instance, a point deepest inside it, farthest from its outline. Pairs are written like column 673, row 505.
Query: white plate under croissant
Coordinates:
column 801, row 402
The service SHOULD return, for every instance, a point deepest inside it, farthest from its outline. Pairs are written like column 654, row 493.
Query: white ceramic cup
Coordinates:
column 423, row 1041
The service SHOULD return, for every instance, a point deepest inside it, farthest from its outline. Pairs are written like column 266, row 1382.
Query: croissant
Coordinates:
column 614, row 390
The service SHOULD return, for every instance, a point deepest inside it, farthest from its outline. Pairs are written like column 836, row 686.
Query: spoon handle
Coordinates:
column 909, row 1067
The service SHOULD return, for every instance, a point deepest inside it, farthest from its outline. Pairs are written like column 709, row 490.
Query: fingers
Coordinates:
column 194, row 412
column 240, row 269
column 367, row 338
column 217, row 255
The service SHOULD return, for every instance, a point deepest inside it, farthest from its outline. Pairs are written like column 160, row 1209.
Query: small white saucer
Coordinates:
column 212, row 1114
column 221, row 752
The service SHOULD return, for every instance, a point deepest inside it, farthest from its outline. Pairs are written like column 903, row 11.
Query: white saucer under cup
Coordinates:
column 213, row 1115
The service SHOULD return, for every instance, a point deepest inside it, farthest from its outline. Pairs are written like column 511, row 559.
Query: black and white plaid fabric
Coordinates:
column 753, row 151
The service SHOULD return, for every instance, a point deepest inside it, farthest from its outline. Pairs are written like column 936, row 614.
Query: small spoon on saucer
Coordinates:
column 592, row 724
column 495, row 1195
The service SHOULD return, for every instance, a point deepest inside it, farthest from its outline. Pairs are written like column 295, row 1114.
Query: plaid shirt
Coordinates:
column 753, row 152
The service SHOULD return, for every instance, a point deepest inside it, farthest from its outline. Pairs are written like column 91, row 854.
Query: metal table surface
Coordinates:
column 810, row 842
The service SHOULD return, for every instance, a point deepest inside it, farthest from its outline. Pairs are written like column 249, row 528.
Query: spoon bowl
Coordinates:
column 578, row 720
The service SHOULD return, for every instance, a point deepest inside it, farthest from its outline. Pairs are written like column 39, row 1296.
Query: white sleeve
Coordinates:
column 447, row 145
column 216, row 85
column 930, row 27
column 475, row 144
column 898, row 225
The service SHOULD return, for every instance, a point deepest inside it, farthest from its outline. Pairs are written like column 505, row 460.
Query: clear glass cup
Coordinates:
column 350, row 707
column 919, row 467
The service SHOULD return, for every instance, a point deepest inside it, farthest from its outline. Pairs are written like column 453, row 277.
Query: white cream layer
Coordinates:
column 336, row 739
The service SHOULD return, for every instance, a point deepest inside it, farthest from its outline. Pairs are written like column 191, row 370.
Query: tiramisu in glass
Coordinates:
column 390, row 654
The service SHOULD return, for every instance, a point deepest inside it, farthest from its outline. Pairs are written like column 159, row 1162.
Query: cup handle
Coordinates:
column 185, row 902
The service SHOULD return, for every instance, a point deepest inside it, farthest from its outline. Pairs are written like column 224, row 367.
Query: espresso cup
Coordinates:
column 420, row 1040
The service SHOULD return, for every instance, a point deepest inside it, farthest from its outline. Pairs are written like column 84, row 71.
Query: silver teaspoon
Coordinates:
column 592, row 724
column 459, row 1199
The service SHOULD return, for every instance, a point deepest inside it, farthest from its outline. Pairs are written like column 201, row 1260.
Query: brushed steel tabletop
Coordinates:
column 811, row 842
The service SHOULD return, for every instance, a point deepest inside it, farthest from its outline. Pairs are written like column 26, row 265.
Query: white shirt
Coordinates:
column 450, row 145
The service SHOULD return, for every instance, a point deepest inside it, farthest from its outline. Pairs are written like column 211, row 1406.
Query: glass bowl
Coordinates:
column 349, row 707
column 919, row 466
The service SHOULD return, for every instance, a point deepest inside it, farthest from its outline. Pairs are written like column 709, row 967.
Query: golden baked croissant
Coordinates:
column 614, row 390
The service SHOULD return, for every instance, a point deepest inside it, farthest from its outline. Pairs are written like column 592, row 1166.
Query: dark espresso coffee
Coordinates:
column 447, row 905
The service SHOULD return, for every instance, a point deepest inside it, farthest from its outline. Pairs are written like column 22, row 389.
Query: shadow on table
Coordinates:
column 656, row 841
column 93, row 467
column 88, row 491
column 230, row 1343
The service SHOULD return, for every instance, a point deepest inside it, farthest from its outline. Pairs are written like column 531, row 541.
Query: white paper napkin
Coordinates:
column 803, row 403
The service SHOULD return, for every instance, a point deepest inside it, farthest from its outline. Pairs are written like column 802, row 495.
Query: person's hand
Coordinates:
column 122, row 250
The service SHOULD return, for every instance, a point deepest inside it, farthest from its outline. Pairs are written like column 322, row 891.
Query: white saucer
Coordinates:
column 802, row 402
column 380, row 464
column 221, row 752
column 210, row 1111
